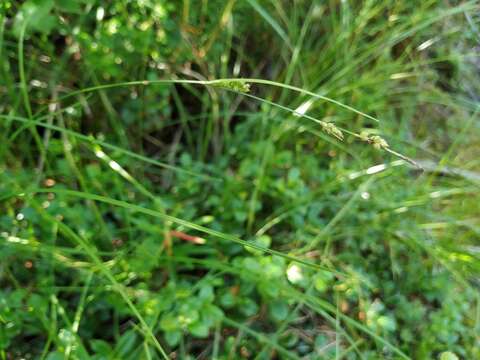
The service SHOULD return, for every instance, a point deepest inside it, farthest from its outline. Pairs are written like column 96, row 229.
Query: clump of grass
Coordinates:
column 221, row 206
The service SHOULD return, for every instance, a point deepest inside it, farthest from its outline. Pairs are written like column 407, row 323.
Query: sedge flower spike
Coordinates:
column 378, row 142
column 234, row 85
column 331, row 129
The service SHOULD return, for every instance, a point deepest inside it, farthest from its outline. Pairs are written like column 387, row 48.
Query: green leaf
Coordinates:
column 146, row 255
column 322, row 280
column 248, row 307
column 187, row 314
column 100, row 347
column 387, row 323
column 268, row 289
column 211, row 314
column 55, row 356
column 279, row 310
column 73, row 6
column 169, row 323
column 126, row 344
column 173, row 337
column 227, row 300
column 199, row 329
column 206, row 293
column 35, row 15
column 448, row 355
column 264, row 241
column 252, row 265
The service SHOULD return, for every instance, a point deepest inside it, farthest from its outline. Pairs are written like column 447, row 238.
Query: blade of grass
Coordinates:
column 78, row 313
column 270, row 20
column 187, row 224
column 24, row 91
column 92, row 253
column 338, row 216
column 260, row 337
column 92, row 140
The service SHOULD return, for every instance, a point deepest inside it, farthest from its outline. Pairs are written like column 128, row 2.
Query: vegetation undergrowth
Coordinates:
column 226, row 179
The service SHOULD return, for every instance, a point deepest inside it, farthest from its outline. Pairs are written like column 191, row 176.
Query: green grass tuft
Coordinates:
column 239, row 179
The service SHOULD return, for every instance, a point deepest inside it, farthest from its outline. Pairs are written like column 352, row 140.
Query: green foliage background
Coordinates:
column 310, row 243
